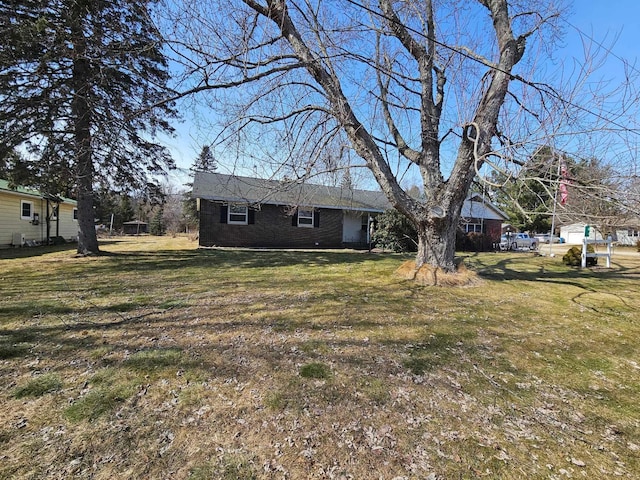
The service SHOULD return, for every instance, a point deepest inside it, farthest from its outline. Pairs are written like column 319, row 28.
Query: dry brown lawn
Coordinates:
column 160, row 361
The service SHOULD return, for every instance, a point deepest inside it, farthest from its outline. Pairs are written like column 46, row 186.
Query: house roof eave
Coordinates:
column 351, row 208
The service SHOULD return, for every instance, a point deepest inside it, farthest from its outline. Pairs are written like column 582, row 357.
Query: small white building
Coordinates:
column 27, row 215
column 574, row 234
column 628, row 236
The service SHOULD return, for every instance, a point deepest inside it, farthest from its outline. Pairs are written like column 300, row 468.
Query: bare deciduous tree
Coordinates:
column 442, row 88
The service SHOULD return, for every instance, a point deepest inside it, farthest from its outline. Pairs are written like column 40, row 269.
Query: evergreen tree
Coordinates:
column 205, row 162
column 14, row 169
column 393, row 231
column 190, row 210
column 124, row 211
column 528, row 199
column 157, row 222
column 83, row 89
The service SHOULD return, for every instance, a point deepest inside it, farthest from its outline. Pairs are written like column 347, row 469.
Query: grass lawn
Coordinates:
column 160, row 361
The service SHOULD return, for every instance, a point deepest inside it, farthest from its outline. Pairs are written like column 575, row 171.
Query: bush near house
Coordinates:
column 395, row 232
column 473, row 242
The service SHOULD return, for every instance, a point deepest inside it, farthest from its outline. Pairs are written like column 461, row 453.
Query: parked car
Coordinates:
column 546, row 238
column 517, row 241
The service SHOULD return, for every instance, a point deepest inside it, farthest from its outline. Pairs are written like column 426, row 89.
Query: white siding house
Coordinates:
column 574, row 233
column 23, row 216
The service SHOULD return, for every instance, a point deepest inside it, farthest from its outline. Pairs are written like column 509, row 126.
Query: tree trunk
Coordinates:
column 437, row 244
column 82, row 118
column 87, row 238
column 437, row 232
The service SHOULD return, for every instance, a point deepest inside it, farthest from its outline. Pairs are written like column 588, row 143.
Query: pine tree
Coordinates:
column 157, row 226
column 205, row 162
column 125, row 211
column 83, row 90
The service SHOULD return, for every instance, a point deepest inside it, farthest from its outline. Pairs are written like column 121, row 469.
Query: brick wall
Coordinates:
column 271, row 227
column 493, row 229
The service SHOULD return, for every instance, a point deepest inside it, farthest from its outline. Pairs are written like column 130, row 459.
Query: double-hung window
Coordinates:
column 26, row 210
column 238, row 214
column 305, row 218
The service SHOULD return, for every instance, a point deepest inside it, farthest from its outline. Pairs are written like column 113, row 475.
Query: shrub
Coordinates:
column 395, row 232
column 638, row 245
column 573, row 257
column 472, row 242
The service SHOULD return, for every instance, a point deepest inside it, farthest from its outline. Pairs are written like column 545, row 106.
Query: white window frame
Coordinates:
column 233, row 217
column 22, row 204
column 305, row 217
column 472, row 228
column 75, row 214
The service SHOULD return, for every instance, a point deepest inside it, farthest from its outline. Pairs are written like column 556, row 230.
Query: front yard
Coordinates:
column 157, row 360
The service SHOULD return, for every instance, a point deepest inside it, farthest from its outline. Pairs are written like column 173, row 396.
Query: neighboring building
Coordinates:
column 250, row 212
column 135, row 227
column 623, row 235
column 480, row 216
column 28, row 216
column 628, row 235
column 574, row 233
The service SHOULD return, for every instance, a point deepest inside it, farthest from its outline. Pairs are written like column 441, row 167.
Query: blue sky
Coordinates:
column 607, row 19
column 614, row 23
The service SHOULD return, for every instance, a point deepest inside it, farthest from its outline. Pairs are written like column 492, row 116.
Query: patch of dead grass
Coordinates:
column 426, row 275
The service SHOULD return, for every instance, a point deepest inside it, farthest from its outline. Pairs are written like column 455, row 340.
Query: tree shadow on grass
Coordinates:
column 223, row 258
column 534, row 270
column 26, row 252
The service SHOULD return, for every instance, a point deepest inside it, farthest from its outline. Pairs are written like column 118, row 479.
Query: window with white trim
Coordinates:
column 473, row 228
column 75, row 214
column 26, row 210
column 54, row 212
column 305, row 218
column 238, row 214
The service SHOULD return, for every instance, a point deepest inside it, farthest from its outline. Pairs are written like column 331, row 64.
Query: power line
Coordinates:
column 537, row 86
column 601, row 45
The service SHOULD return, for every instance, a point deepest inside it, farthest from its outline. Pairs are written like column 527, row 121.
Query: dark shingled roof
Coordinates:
column 232, row 188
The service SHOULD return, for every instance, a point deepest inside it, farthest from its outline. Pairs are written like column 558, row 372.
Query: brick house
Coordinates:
column 251, row 212
column 239, row 211
column 478, row 215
